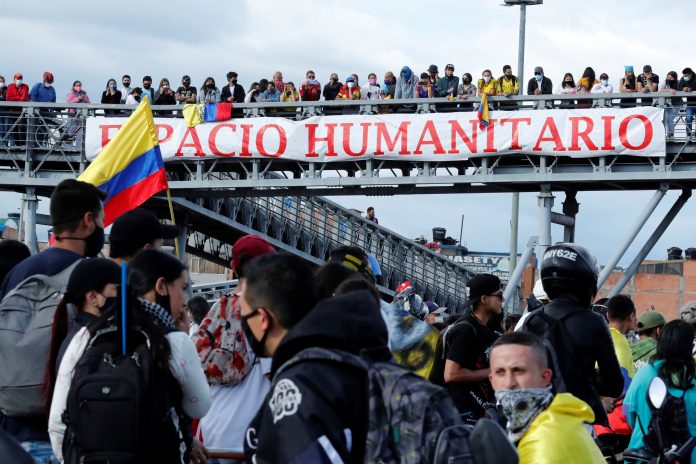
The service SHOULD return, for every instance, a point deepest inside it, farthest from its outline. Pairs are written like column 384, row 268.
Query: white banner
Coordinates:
column 424, row 137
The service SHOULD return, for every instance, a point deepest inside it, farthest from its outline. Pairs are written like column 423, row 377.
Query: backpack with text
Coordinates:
column 119, row 408
column 410, row 419
column 26, row 316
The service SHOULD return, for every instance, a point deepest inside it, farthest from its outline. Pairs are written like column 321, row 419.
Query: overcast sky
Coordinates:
column 93, row 41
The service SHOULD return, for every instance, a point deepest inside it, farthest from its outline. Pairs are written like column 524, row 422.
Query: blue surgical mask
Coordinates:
column 387, row 82
column 312, row 81
column 538, row 77
column 605, row 82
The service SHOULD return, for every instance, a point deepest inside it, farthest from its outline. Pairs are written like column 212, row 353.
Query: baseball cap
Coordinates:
column 139, row 227
column 249, row 247
column 628, row 68
column 18, row 76
column 186, row 78
column 432, row 68
column 350, row 79
column 48, row 76
column 687, row 313
column 650, row 319
column 539, row 70
column 483, row 284
column 647, row 68
column 450, row 66
column 91, row 274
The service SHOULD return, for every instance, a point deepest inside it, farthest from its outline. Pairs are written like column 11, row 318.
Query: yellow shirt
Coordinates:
column 509, row 86
column 558, row 436
column 624, row 355
column 486, row 88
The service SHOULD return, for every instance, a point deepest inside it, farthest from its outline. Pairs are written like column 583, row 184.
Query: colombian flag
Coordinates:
column 195, row 114
column 130, row 167
column 483, row 112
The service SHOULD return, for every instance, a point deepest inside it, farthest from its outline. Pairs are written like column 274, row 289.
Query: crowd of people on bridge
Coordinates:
column 406, row 84
column 301, row 365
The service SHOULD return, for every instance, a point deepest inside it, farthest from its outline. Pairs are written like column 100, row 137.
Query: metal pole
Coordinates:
column 515, row 216
column 515, row 277
column 31, row 202
column 659, row 230
column 632, row 233
column 520, row 51
column 545, row 204
column 461, row 231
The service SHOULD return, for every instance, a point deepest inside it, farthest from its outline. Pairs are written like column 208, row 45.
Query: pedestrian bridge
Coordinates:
column 221, row 196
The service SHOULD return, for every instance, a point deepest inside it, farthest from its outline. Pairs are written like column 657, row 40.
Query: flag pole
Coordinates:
column 124, row 302
column 171, row 214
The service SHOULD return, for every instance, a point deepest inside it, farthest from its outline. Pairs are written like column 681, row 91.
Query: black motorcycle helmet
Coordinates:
column 571, row 270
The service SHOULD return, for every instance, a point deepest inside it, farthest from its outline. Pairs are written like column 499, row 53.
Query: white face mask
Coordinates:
column 605, row 82
column 2, row 84
column 18, row 82
column 351, row 85
column 486, row 79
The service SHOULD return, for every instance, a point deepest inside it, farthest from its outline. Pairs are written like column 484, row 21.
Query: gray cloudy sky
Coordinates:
column 93, row 41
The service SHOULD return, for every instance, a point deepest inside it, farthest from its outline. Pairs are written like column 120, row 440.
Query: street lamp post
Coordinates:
column 514, row 222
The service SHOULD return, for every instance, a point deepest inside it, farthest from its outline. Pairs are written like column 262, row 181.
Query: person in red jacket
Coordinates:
column 17, row 91
column 310, row 90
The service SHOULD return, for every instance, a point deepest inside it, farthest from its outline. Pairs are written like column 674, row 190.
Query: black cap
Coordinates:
column 647, row 68
column 449, row 66
column 140, row 227
column 91, row 274
column 186, row 78
column 483, row 284
column 432, row 68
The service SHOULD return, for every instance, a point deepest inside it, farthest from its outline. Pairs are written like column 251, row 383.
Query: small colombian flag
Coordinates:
column 483, row 112
column 130, row 167
column 195, row 114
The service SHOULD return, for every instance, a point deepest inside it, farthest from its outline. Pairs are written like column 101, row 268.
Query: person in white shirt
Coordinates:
column 371, row 90
column 157, row 282
column 603, row 86
column 126, row 89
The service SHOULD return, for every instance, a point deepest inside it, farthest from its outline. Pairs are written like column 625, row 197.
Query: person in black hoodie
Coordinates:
column 332, row 88
column 569, row 276
column 315, row 411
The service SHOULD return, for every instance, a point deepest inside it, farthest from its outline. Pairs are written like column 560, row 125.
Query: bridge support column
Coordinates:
column 570, row 209
column 650, row 243
column 514, row 222
column 30, row 204
column 516, row 276
column 632, row 233
column 545, row 199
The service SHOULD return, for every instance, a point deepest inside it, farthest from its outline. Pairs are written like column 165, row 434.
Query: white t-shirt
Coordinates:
column 225, row 425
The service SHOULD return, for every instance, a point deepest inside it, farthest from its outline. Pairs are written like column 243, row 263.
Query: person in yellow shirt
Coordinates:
column 546, row 427
column 509, row 85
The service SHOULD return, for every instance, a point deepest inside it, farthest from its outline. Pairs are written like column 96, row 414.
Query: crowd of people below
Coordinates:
column 299, row 364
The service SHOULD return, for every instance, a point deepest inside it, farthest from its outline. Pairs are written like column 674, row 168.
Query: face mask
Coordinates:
column 126, row 84
column 605, row 82
column 486, row 79
column 112, row 85
column 147, row 86
column 568, row 83
column 351, row 85
column 94, row 242
column 78, row 88
column 110, row 304
column 18, row 82
column 210, row 86
column 136, row 98
column 521, row 407
column 538, row 77
column 47, row 85
column 233, row 81
column 466, row 80
column 687, row 78
column 255, row 345
column 2, row 84
column 373, row 81
column 312, row 81
column 671, row 83
column 271, row 91
column 165, row 86
column 187, row 83
column 387, row 82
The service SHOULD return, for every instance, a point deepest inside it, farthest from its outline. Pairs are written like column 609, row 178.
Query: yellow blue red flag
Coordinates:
column 130, row 167
column 483, row 112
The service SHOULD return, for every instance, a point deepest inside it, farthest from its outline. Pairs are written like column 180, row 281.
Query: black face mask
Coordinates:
column 164, row 301
column 94, row 242
column 110, row 305
column 255, row 345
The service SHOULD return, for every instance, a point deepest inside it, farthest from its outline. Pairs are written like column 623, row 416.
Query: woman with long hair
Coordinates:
column 675, row 365
column 585, row 84
column 156, row 318
column 209, row 93
column 567, row 88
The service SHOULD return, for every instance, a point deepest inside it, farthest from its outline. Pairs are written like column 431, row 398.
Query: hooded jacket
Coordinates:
column 406, row 86
column 316, row 410
column 558, row 435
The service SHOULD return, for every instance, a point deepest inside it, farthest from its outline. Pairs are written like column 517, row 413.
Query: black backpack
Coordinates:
column 437, row 373
column 557, row 341
column 119, row 408
column 669, row 421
